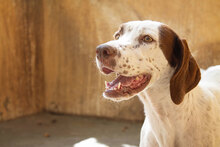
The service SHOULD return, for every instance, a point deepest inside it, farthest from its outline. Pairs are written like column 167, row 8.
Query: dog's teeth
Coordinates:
column 106, row 84
column 115, row 88
column 140, row 77
column 137, row 78
column 119, row 85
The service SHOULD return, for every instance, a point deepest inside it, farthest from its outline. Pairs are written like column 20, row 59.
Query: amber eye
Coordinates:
column 117, row 36
column 147, row 38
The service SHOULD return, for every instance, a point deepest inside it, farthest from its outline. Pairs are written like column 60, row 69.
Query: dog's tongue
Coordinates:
column 123, row 86
column 125, row 81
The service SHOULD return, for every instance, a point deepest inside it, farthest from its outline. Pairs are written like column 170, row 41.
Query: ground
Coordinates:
column 52, row 130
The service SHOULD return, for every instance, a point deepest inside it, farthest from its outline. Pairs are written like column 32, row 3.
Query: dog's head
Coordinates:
column 139, row 54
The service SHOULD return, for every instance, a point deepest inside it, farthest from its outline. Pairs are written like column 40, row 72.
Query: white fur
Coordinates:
column 193, row 123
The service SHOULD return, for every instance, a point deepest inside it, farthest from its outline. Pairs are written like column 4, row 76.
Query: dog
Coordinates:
column 181, row 105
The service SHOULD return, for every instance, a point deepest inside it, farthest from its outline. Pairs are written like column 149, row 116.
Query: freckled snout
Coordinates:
column 105, row 54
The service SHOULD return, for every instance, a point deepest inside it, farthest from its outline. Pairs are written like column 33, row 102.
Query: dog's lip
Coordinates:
column 107, row 70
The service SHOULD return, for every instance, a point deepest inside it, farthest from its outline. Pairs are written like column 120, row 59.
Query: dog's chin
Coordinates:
column 124, row 87
column 117, row 99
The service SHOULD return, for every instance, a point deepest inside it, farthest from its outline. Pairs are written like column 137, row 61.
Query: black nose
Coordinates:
column 104, row 51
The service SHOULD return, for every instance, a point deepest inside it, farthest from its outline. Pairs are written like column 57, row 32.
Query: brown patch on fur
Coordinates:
column 124, row 65
column 138, row 67
column 129, row 29
column 167, row 42
column 112, row 62
column 151, row 69
column 129, row 66
column 136, row 46
column 187, row 74
column 120, row 31
column 125, row 72
column 126, row 60
column 140, row 59
column 156, row 67
column 120, row 66
column 119, row 54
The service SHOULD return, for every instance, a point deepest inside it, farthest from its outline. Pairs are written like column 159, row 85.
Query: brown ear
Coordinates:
column 187, row 73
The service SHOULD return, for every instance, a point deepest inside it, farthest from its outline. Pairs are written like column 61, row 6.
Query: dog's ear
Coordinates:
column 187, row 73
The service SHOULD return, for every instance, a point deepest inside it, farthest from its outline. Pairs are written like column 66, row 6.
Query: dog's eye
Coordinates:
column 117, row 36
column 147, row 38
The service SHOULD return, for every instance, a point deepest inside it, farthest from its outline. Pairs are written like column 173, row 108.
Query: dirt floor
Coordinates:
column 50, row 130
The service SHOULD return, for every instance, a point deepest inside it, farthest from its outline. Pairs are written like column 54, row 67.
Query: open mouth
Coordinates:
column 124, row 86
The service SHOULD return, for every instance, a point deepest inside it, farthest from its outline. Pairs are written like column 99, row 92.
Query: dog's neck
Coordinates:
column 157, row 96
column 160, row 111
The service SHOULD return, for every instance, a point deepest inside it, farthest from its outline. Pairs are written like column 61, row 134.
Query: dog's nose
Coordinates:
column 104, row 51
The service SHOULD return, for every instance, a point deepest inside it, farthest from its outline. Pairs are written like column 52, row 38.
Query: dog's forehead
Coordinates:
column 142, row 25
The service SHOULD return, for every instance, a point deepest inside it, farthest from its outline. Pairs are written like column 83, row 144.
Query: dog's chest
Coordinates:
column 182, row 125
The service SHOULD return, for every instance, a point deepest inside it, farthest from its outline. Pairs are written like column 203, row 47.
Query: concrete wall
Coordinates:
column 21, row 60
column 53, row 53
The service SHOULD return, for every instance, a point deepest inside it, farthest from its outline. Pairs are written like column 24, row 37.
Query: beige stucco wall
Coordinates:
column 47, row 50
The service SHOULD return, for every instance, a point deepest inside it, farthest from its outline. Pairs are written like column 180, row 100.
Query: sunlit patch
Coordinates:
column 127, row 145
column 90, row 142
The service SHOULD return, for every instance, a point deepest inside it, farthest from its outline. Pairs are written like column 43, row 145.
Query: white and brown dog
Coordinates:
column 151, row 61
